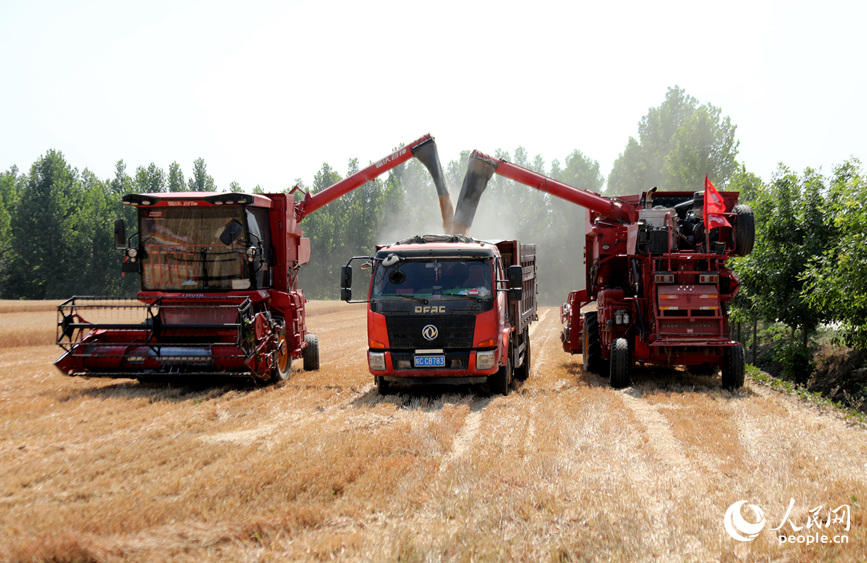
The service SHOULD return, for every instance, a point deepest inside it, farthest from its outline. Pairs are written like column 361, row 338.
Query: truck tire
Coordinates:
column 745, row 230
column 523, row 372
column 310, row 353
column 383, row 387
column 283, row 365
column 592, row 346
column 733, row 367
column 620, row 363
column 499, row 382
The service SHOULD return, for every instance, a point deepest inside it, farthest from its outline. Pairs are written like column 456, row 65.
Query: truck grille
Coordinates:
column 454, row 331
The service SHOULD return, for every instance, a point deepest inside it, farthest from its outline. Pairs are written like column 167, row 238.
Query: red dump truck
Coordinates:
column 447, row 309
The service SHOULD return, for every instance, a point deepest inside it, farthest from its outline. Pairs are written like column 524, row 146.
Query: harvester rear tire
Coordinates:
column 620, row 363
column 733, row 368
column 745, row 230
column 592, row 346
column 499, row 382
column 283, row 365
column 310, row 353
column 523, row 372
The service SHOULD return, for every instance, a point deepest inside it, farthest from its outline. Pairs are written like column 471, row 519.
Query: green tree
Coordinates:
column 44, row 243
column 836, row 279
column 200, row 181
column 679, row 143
column 793, row 230
column 10, row 185
column 176, row 181
column 150, row 180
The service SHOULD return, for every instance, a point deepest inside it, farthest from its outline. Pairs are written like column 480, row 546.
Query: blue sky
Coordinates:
column 266, row 92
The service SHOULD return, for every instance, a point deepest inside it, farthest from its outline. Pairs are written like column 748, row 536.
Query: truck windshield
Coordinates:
column 193, row 248
column 437, row 279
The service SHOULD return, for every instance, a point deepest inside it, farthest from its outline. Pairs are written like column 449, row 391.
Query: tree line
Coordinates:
column 808, row 267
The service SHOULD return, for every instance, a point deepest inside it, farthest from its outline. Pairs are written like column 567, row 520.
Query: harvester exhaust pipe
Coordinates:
column 479, row 172
column 427, row 154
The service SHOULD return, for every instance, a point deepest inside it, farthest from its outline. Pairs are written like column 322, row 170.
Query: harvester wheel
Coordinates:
column 592, row 349
column 733, row 367
column 499, row 382
column 745, row 230
column 283, row 366
column 310, row 353
column 620, row 363
column 523, row 372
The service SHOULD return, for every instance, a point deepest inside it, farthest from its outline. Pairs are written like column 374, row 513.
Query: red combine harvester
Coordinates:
column 219, row 285
column 657, row 284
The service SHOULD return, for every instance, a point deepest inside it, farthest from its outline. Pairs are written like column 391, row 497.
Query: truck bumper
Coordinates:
column 461, row 367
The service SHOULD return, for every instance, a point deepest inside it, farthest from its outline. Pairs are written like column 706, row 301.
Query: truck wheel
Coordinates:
column 592, row 349
column 733, row 367
column 745, row 230
column 499, row 382
column 620, row 363
column 523, row 372
column 283, row 365
column 310, row 353
column 383, row 387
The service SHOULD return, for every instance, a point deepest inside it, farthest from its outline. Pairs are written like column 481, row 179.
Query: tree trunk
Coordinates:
column 755, row 335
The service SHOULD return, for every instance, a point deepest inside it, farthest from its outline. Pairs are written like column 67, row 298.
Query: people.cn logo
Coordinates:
column 737, row 527
column 430, row 332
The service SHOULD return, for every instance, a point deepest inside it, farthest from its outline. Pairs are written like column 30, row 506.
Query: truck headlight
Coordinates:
column 376, row 361
column 486, row 360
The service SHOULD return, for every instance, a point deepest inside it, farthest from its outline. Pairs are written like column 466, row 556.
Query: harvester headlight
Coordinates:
column 251, row 254
column 376, row 361
column 132, row 253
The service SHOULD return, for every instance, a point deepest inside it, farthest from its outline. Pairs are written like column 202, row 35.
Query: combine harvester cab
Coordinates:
column 219, row 285
column 658, row 285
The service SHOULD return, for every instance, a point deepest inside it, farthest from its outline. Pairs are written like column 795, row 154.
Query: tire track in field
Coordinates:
column 661, row 440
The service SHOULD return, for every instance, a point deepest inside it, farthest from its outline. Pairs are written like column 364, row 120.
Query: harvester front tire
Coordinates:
column 499, row 382
column 733, row 368
column 310, row 353
column 745, row 230
column 592, row 346
column 620, row 363
column 283, row 366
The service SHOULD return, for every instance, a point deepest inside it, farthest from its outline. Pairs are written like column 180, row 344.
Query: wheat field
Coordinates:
column 320, row 467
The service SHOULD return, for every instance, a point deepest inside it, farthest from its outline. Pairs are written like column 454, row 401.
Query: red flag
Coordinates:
column 714, row 207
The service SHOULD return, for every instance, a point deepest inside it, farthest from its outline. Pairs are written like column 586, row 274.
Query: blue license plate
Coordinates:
column 429, row 361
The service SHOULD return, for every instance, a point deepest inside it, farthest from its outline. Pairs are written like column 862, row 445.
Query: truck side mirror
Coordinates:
column 516, row 283
column 346, row 283
column 346, row 277
column 119, row 233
